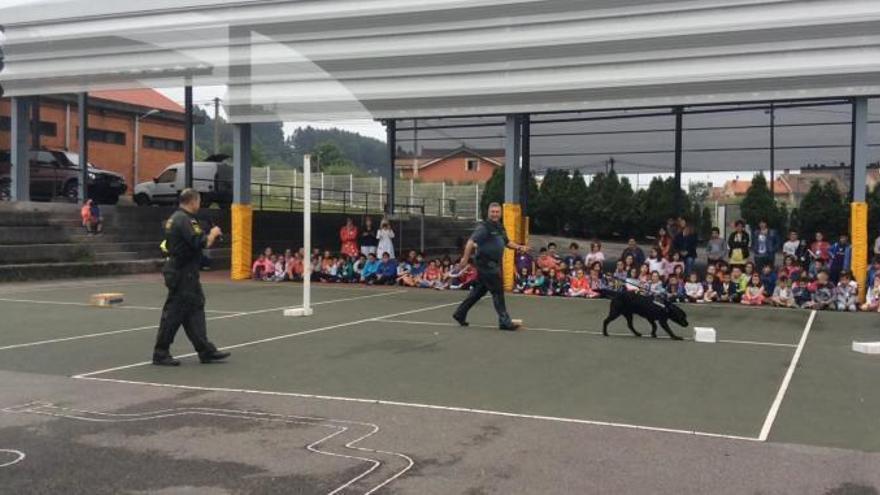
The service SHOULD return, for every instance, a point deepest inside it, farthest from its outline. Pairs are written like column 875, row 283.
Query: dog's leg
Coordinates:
column 613, row 313
column 629, row 323
column 665, row 326
column 653, row 329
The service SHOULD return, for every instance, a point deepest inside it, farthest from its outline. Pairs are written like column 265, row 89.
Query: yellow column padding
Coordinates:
column 859, row 235
column 242, row 241
column 512, row 214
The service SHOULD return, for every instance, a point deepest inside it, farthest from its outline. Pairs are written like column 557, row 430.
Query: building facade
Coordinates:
column 116, row 123
column 458, row 166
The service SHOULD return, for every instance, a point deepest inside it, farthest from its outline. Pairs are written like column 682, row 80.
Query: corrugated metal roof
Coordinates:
column 343, row 59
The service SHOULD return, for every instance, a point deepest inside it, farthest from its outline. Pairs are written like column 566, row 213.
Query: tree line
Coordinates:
column 609, row 208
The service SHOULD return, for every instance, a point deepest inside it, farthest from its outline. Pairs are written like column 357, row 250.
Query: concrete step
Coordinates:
column 117, row 256
column 47, row 271
column 42, row 253
column 28, row 234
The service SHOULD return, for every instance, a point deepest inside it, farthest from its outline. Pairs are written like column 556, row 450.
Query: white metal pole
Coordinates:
column 442, row 199
column 322, row 186
column 307, row 233
column 294, row 184
column 268, row 180
column 306, row 309
column 477, row 201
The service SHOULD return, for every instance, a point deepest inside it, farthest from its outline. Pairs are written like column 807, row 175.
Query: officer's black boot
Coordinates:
column 165, row 360
column 211, row 356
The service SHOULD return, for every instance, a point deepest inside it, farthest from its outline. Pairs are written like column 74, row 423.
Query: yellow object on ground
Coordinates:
column 513, row 224
column 859, row 236
column 242, row 241
column 107, row 299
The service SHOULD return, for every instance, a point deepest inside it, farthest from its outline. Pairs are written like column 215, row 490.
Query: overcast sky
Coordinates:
column 202, row 96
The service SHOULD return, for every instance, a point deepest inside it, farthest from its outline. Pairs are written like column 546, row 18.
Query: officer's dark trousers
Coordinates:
column 487, row 281
column 185, row 305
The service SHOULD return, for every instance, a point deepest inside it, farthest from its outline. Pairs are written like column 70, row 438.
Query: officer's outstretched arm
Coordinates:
column 468, row 252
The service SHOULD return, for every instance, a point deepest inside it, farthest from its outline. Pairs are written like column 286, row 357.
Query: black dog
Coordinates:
column 630, row 303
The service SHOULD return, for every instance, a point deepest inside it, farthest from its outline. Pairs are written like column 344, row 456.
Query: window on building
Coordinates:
column 46, row 128
column 472, row 165
column 163, row 144
column 105, row 136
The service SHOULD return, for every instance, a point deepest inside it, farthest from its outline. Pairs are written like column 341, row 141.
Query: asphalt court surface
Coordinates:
column 398, row 350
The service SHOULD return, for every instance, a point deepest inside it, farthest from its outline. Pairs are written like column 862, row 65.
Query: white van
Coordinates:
column 213, row 179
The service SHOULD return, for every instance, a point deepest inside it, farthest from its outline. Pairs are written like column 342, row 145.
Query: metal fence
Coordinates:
column 367, row 193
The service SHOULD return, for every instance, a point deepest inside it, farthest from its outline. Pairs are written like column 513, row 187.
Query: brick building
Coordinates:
column 460, row 165
column 112, row 116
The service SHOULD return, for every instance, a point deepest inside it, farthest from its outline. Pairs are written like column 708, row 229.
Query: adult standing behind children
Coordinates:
column 738, row 244
column 368, row 238
column 489, row 241
column 385, row 236
column 348, row 234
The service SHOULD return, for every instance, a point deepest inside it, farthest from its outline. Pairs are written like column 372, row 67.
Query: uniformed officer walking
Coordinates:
column 185, row 304
column 489, row 239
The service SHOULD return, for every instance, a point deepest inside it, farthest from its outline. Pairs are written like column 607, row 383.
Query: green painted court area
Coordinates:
column 401, row 347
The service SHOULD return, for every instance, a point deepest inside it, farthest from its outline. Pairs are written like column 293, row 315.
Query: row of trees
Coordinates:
column 608, row 207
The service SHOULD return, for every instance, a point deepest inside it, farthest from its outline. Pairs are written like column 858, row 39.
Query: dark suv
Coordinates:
column 54, row 174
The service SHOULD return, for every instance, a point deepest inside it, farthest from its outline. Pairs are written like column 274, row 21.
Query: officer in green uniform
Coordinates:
column 489, row 240
column 185, row 304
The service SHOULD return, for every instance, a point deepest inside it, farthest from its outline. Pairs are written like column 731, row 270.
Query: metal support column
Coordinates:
column 679, row 118
column 525, row 159
column 83, row 114
column 20, row 188
column 512, row 150
column 241, row 164
column 858, row 208
column 773, row 150
column 36, row 130
column 859, row 149
column 391, row 133
column 188, row 136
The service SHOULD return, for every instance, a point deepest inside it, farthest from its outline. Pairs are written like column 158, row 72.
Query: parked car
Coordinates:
column 104, row 186
column 212, row 178
column 53, row 174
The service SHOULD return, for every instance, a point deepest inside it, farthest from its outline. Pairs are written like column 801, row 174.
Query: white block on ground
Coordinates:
column 867, row 347
column 299, row 312
column 704, row 334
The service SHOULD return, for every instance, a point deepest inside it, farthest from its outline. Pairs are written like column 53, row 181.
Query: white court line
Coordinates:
column 277, row 337
column 121, row 306
column 63, row 285
column 155, row 326
column 586, row 332
column 426, row 406
column 19, row 456
column 79, row 414
column 783, row 387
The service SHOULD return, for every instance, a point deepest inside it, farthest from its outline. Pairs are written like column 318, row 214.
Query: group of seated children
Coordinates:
column 788, row 287
column 791, row 286
column 411, row 271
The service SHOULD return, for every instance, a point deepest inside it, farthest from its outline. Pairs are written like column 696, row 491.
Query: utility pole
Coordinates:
column 216, row 125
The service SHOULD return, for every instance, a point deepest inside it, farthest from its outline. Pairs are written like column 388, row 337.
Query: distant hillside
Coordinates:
column 271, row 148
